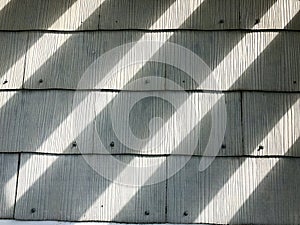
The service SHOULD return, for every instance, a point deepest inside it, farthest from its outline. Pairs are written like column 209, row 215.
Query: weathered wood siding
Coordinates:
column 236, row 191
column 67, row 188
column 143, row 14
column 33, row 121
column 8, row 183
column 238, row 60
column 252, row 50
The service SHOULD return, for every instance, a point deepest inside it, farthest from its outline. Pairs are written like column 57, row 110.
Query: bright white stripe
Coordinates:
column 127, row 171
column 49, row 46
column 240, row 172
column 9, row 198
column 172, row 11
column 227, row 63
column 215, row 72
column 44, row 42
column 70, row 136
column 79, row 12
column 186, row 9
column 177, row 14
column 3, row 3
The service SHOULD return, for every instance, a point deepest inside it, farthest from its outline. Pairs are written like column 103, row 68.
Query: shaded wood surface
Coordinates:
column 231, row 61
column 235, row 190
column 250, row 49
column 8, row 184
column 52, row 121
column 142, row 14
column 66, row 188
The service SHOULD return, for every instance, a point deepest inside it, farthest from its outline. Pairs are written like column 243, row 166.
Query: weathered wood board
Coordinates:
column 18, row 222
column 270, row 14
column 12, row 58
column 272, row 124
column 195, row 14
column 234, row 61
column 72, row 61
column 8, row 184
column 66, row 188
column 49, row 15
column 235, row 191
column 239, row 61
column 124, row 14
column 51, row 121
column 142, row 14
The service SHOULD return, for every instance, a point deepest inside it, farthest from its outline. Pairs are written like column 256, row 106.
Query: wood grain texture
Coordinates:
column 142, row 14
column 235, row 191
column 52, row 121
column 8, row 184
column 237, row 61
column 240, row 61
column 72, row 61
column 12, row 58
column 50, row 15
column 270, row 14
column 66, row 188
column 170, row 14
column 272, row 124
column 29, row 118
column 124, row 14
column 17, row 222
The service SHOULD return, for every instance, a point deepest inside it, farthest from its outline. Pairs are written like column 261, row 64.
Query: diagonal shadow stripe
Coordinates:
column 282, row 174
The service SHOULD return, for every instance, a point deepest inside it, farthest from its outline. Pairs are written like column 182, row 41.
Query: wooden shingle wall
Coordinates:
column 252, row 49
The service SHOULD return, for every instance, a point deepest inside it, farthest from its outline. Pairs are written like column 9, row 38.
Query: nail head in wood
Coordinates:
column 33, row 210
column 112, row 144
column 74, row 144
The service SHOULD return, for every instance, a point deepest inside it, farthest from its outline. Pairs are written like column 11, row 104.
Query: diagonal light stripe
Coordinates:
column 47, row 45
column 227, row 63
column 56, row 134
column 172, row 14
column 89, row 8
column 4, row 3
column 221, row 66
column 240, row 172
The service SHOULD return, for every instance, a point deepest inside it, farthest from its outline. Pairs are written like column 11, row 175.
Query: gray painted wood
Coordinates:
column 270, row 14
column 196, row 14
column 8, row 183
column 108, row 14
column 49, row 15
column 17, row 222
column 271, row 120
column 235, row 191
column 72, row 61
column 51, row 121
column 241, row 61
column 142, row 14
column 66, row 188
column 12, row 58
